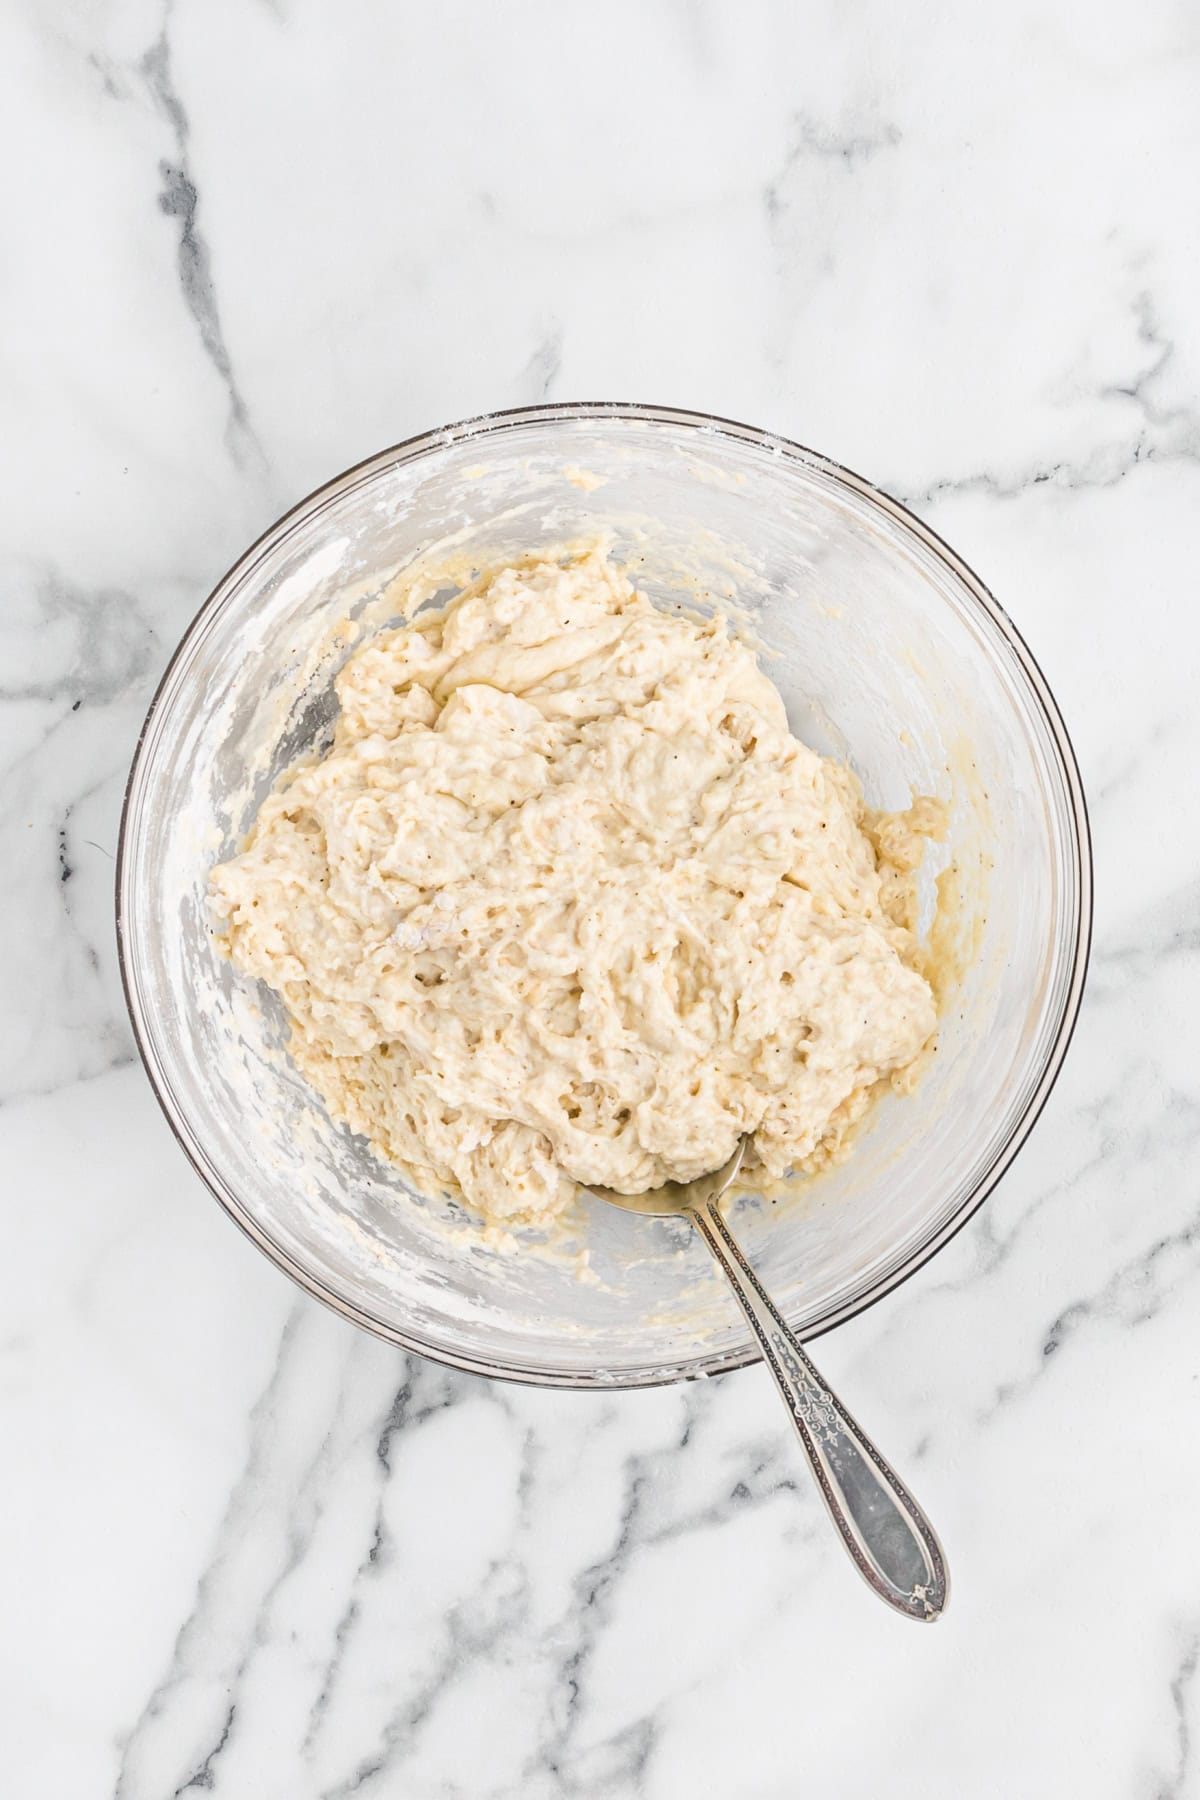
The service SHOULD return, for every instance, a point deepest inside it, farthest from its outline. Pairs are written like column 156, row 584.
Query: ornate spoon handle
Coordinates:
column 890, row 1541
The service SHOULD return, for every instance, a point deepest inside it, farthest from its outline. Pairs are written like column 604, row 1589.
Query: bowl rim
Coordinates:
column 481, row 426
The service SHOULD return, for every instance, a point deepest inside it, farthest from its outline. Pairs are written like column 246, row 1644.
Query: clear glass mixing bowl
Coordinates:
column 888, row 652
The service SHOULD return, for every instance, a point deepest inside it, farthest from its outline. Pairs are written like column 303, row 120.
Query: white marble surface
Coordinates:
column 249, row 1552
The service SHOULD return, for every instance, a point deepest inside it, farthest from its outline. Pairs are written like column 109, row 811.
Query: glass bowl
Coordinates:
column 889, row 653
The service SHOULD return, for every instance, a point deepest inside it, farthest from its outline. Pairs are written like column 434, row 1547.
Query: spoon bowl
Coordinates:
column 675, row 1197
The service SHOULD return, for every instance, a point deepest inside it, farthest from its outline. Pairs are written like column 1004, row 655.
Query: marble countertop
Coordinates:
column 250, row 1552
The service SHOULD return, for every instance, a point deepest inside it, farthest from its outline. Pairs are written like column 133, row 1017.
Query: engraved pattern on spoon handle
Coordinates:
column 890, row 1541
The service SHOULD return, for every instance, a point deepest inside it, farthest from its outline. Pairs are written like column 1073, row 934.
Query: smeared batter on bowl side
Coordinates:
column 567, row 903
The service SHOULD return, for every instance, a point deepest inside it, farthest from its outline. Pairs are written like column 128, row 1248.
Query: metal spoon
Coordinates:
column 890, row 1541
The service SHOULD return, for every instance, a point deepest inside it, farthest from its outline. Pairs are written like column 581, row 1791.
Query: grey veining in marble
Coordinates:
column 250, row 1552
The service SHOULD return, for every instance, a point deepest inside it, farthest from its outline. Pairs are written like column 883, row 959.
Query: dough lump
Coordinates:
column 567, row 903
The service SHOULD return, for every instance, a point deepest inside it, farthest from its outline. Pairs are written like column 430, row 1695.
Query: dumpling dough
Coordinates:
column 567, row 903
